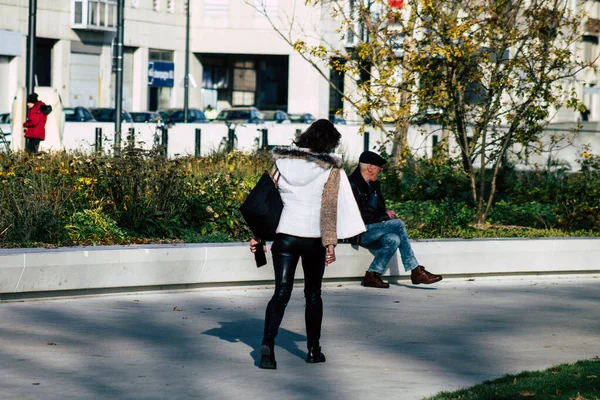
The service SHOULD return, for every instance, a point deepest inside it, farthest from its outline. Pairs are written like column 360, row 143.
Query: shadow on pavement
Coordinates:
column 230, row 331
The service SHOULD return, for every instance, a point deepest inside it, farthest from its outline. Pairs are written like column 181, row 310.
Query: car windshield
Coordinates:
column 302, row 118
column 103, row 114
column 108, row 115
column 178, row 115
column 234, row 114
column 140, row 117
column 268, row 115
column 69, row 114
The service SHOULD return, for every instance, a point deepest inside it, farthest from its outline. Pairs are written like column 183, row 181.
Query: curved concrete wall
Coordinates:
column 120, row 267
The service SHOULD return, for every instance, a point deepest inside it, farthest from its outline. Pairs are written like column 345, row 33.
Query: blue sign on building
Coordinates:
column 161, row 73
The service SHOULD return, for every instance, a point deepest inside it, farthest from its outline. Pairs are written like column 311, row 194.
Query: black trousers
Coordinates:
column 32, row 145
column 287, row 250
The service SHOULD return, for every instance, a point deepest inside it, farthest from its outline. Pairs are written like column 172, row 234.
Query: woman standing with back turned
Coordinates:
column 318, row 208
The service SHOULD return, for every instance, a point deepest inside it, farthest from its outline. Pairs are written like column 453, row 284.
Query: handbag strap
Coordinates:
column 275, row 175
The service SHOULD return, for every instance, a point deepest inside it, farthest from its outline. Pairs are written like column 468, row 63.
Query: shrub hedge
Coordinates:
column 68, row 199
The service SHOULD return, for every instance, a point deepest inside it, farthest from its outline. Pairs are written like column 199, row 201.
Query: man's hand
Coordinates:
column 329, row 254
column 391, row 214
column 253, row 242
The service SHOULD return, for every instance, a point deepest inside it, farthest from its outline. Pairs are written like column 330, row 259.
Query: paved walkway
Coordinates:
column 402, row 343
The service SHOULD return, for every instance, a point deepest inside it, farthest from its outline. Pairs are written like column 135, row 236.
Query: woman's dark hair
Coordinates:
column 321, row 137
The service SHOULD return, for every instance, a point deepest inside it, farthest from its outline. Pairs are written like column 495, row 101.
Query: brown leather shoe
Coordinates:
column 421, row 275
column 373, row 279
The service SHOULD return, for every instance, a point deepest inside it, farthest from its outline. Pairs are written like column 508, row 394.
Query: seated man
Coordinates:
column 384, row 232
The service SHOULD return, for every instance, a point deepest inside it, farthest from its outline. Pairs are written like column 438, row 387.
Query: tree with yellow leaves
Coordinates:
column 488, row 72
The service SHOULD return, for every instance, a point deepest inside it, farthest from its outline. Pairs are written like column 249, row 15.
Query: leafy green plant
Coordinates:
column 93, row 227
column 64, row 199
column 190, row 236
column 532, row 214
column 434, row 218
column 421, row 178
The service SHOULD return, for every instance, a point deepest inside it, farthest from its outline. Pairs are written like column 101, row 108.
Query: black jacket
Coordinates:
column 362, row 194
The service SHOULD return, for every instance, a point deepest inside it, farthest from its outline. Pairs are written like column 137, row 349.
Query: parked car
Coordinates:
column 194, row 116
column 277, row 116
column 144, row 116
column 108, row 115
column 337, row 119
column 240, row 115
column 78, row 114
column 427, row 116
column 303, row 118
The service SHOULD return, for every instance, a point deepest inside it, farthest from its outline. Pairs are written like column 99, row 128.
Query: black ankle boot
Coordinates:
column 267, row 357
column 314, row 355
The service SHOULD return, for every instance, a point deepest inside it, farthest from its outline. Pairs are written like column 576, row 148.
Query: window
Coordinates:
column 102, row 13
column 111, row 20
column 242, row 98
column 590, row 47
column 156, row 5
column 270, row 7
column 214, row 77
column 216, row 8
column 94, row 14
column 78, row 10
column 244, row 83
column 160, row 55
column 336, row 100
column 171, row 6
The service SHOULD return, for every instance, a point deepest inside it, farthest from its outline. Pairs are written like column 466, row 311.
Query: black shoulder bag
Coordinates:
column 262, row 208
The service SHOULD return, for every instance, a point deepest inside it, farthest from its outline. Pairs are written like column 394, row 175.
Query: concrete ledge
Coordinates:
column 163, row 266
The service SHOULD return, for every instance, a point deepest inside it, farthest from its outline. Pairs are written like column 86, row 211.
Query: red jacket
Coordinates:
column 36, row 122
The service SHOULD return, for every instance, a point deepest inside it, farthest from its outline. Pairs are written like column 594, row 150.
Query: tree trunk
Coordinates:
column 400, row 145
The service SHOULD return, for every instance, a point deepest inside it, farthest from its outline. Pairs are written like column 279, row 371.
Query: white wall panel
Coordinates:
column 85, row 78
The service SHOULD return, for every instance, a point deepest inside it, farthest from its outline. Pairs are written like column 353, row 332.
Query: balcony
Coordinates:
column 94, row 15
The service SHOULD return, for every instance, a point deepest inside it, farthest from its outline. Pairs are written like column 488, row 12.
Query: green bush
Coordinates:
column 33, row 202
column 66, row 199
column 190, row 236
column 573, row 196
column 93, row 227
column 532, row 214
column 436, row 178
column 433, row 218
column 146, row 196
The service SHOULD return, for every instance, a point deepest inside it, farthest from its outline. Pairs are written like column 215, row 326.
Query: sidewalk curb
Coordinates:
column 42, row 272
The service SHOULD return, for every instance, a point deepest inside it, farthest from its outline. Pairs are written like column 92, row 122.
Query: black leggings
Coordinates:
column 287, row 250
column 32, row 145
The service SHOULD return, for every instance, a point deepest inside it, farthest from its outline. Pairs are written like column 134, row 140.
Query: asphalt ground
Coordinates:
column 405, row 342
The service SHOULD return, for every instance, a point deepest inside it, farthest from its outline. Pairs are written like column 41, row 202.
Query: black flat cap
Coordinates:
column 32, row 98
column 368, row 157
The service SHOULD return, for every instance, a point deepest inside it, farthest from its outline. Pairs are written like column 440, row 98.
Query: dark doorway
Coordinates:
column 273, row 83
column 43, row 61
column 336, row 99
column 152, row 98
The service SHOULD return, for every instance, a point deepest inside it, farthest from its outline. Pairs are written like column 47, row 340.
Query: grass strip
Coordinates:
column 578, row 381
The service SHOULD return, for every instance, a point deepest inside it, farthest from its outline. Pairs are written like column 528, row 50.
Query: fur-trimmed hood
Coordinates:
column 323, row 160
column 300, row 167
column 308, row 200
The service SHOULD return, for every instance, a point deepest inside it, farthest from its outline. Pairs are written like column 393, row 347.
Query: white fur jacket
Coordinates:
column 308, row 186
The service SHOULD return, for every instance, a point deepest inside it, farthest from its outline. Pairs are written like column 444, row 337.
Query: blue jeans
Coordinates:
column 387, row 237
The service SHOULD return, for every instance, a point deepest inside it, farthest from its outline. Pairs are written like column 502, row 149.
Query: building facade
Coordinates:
column 236, row 57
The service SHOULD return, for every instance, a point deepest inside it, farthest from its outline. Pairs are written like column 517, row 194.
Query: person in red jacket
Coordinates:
column 35, row 126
